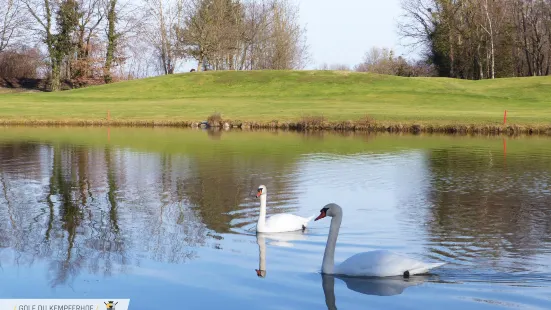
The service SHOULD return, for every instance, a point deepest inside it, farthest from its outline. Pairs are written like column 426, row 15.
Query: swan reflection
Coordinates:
column 387, row 286
column 261, row 241
column 277, row 239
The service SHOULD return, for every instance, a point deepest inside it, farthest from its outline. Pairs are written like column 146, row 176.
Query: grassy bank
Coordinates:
column 296, row 100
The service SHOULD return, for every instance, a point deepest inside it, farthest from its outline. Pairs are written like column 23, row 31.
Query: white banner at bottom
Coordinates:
column 64, row 304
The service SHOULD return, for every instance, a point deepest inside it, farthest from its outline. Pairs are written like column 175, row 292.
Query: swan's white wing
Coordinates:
column 285, row 222
column 382, row 264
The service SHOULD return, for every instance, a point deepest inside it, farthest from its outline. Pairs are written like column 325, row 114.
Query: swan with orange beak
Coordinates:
column 278, row 222
column 379, row 263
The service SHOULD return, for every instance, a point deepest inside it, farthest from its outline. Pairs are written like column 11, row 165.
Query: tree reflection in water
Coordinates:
column 105, row 209
column 482, row 208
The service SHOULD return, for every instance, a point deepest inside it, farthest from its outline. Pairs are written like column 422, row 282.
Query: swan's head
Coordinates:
column 261, row 191
column 331, row 209
column 260, row 273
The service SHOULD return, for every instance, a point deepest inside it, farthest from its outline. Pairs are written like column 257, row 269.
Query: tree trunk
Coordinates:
column 165, row 56
column 490, row 31
column 525, row 41
column 111, row 41
column 200, row 60
column 479, row 60
column 55, row 63
column 492, row 53
column 51, row 45
column 55, row 79
column 452, row 60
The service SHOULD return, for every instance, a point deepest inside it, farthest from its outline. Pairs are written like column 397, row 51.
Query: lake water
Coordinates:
column 166, row 217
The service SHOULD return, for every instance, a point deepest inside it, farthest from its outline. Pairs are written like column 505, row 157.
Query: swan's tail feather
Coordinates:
column 435, row 265
column 308, row 219
column 426, row 268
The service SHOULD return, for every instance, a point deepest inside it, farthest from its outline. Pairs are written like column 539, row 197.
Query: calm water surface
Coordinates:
column 166, row 218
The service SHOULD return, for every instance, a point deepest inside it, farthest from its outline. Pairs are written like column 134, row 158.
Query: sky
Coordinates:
column 340, row 32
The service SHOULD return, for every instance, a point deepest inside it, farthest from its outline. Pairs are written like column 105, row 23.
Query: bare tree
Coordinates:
column 122, row 36
column 234, row 35
column 417, row 22
column 43, row 13
column 12, row 22
column 158, row 28
column 533, row 22
column 196, row 33
column 88, row 23
column 382, row 61
column 20, row 63
column 490, row 31
column 211, row 31
column 113, row 39
column 289, row 44
column 378, row 60
column 255, row 32
column 110, row 7
column 478, row 39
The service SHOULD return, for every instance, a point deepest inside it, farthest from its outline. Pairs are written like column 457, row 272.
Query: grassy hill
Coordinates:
column 287, row 96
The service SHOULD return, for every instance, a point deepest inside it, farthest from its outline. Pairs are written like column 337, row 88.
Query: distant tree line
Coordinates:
column 384, row 61
column 469, row 39
column 101, row 41
column 481, row 39
column 108, row 40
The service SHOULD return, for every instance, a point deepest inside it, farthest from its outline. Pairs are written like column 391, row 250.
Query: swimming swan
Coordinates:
column 380, row 263
column 278, row 222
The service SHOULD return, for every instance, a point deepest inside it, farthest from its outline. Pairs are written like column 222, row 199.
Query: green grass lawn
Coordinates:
column 287, row 95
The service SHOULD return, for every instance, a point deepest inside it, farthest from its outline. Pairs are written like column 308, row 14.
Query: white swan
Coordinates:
column 379, row 263
column 278, row 222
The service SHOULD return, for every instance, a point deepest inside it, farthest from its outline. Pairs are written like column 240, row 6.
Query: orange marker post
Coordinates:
column 505, row 117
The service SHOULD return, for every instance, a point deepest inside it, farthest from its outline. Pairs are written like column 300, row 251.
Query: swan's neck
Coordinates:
column 262, row 216
column 329, row 255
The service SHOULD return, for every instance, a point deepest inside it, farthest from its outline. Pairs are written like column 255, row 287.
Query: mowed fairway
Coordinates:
column 288, row 95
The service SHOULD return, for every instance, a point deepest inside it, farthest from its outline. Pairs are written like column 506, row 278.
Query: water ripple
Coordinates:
column 179, row 220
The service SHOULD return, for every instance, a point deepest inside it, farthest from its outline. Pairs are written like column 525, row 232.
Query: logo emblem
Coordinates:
column 110, row 305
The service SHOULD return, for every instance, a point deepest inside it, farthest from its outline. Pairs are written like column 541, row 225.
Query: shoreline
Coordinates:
column 346, row 126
